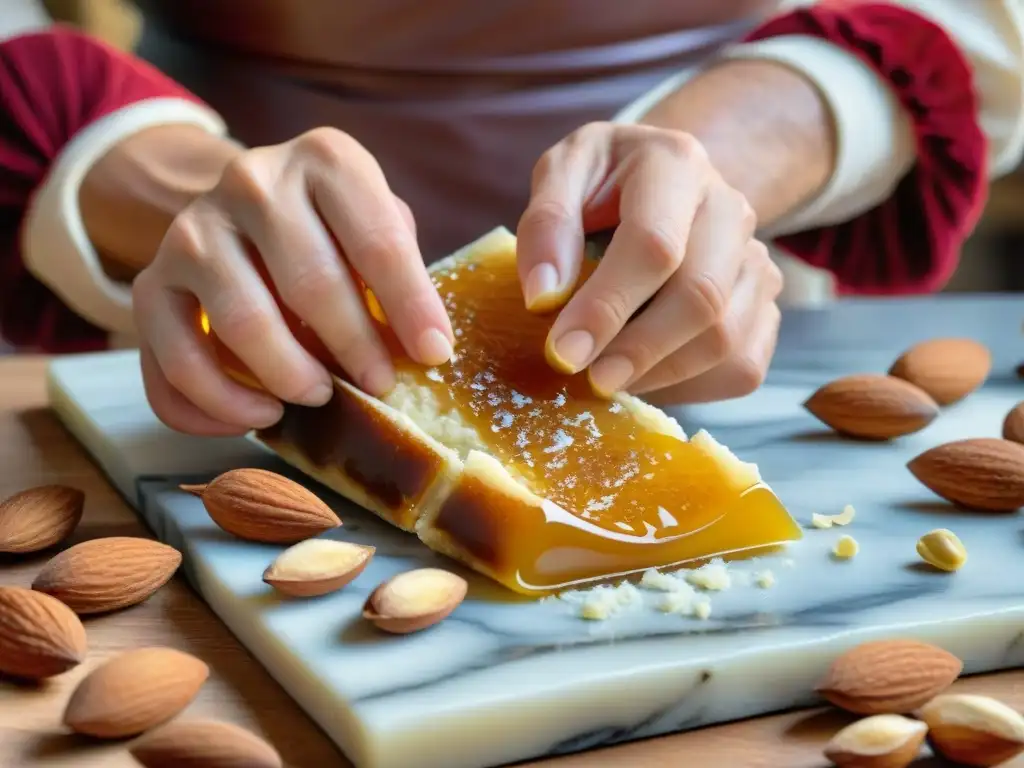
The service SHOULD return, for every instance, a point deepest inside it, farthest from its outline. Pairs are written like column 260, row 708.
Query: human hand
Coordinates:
column 684, row 241
column 316, row 212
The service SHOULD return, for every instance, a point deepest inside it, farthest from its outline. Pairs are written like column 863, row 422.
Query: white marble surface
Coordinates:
column 506, row 681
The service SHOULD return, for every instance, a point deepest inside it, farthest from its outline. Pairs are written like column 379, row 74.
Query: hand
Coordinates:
column 684, row 241
column 314, row 211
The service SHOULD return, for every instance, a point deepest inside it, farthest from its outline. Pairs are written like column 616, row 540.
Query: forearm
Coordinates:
column 132, row 194
column 766, row 127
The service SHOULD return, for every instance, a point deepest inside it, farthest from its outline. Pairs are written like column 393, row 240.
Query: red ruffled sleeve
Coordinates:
column 52, row 85
column 911, row 242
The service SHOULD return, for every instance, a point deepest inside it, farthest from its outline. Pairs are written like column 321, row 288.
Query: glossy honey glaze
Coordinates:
column 619, row 495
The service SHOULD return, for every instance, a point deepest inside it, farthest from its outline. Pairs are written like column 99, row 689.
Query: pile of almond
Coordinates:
column 141, row 692
column 983, row 473
column 900, row 687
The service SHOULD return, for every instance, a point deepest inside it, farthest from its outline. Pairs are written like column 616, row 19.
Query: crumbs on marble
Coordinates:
column 824, row 522
column 845, row 548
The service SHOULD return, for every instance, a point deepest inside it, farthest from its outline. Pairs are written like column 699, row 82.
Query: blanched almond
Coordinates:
column 973, row 730
column 317, row 566
column 415, row 600
column 880, row 741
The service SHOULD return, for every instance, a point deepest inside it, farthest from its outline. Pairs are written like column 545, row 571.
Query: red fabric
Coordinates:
column 52, row 85
column 911, row 242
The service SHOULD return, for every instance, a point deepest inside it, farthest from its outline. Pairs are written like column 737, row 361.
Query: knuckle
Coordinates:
column 326, row 145
column 708, row 300
column 382, row 246
column 596, row 129
column 547, row 213
column 239, row 320
column 748, row 375
column 184, row 241
column 308, row 285
column 682, row 145
column 661, row 248
column 721, row 340
column 243, row 184
column 611, row 311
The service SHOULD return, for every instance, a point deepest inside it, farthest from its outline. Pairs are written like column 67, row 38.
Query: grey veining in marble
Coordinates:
column 502, row 680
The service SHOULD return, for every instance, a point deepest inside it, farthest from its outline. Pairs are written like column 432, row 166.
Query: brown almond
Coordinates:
column 40, row 637
column 973, row 730
column 133, row 692
column 1013, row 425
column 38, row 518
column 204, row 744
column 108, row 574
column 872, row 406
column 889, row 677
column 947, row 369
column 317, row 566
column 983, row 473
column 879, row 741
column 258, row 505
column 415, row 600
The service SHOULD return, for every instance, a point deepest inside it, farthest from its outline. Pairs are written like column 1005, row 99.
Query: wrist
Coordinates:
column 767, row 129
column 130, row 196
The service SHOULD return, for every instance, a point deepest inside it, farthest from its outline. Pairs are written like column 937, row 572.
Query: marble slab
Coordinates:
column 503, row 680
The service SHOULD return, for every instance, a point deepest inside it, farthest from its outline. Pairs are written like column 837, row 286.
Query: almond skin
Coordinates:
column 204, row 744
column 983, row 473
column 872, row 406
column 108, row 574
column 38, row 518
column 889, row 677
column 415, row 600
column 879, row 741
column 134, row 692
column 40, row 637
column 316, row 567
column 1013, row 425
column 947, row 369
column 263, row 506
column 973, row 730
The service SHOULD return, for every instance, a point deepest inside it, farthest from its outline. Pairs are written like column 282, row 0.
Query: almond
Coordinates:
column 317, row 566
column 108, row 574
column 38, row 518
column 973, row 730
column 947, row 369
column 983, row 473
column 133, row 692
column 872, row 406
column 889, row 677
column 39, row 636
column 1013, row 426
column 264, row 506
column 204, row 744
column 879, row 741
column 415, row 600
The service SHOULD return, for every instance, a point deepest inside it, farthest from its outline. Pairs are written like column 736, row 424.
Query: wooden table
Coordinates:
column 35, row 449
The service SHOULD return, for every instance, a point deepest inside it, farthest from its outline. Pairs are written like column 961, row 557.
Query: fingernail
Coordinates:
column 572, row 351
column 318, row 394
column 266, row 414
column 434, row 347
column 610, row 374
column 541, row 286
column 379, row 380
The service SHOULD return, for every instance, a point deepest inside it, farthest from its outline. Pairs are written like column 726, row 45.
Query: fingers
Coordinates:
column 731, row 358
column 351, row 193
column 694, row 299
column 549, row 249
column 665, row 185
column 308, row 272
column 182, row 376
column 203, row 256
column 172, row 407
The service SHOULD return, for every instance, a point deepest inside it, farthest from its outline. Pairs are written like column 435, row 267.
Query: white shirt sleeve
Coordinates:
column 55, row 247
column 875, row 143
column 21, row 16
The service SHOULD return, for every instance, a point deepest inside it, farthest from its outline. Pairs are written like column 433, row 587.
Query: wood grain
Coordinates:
column 35, row 449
